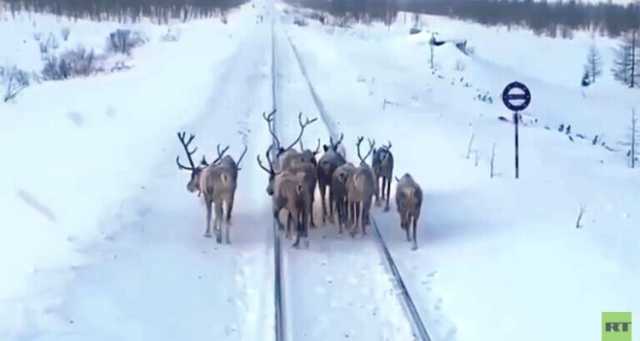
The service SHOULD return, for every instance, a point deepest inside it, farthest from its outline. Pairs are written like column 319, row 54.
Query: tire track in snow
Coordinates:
column 359, row 258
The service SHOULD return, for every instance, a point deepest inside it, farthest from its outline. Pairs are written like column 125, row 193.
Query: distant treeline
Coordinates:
column 551, row 18
column 126, row 10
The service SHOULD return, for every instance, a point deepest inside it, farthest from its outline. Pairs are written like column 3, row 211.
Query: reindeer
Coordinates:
column 338, row 193
column 361, row 188
column 409, row 203
column 288, row 192
column 329, row 162
column 382, row 164
column 216, row 182
column 288, row 159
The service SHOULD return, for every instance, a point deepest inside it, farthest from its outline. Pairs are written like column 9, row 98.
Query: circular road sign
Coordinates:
column 516, row 96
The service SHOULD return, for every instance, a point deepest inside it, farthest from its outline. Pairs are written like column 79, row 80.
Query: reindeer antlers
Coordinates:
column 221, row 153
column 271, row 124
column 336, row 144
column 244, row 152
column 372, row 144
column 303, row 125
column 270, row 169
column 185, row 145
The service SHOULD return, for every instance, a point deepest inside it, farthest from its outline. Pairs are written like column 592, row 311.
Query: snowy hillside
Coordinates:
column 102, row 241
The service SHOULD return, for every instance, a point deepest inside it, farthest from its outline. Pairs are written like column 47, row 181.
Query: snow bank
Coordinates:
column 75, row 149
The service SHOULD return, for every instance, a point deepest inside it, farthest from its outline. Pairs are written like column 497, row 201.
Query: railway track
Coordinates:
column 281, row 332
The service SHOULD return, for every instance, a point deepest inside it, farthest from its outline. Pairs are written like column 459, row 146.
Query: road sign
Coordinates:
column 516, row 96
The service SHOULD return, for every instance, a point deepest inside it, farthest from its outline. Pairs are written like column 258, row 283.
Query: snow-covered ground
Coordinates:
column 102, row 241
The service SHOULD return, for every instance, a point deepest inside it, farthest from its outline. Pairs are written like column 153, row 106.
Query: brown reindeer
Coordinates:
column 216, row 182
column 338, row 193
column 288, row 159
column 288, row 192
column 361, row 188
column 409, row 203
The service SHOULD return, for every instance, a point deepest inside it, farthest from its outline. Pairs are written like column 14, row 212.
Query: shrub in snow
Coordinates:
column 123, row 41
column 72, row 63
column 459, row 66
column 14, row 81
column 49, row 45
column 65, row 32
column 300, row 21
column 171, row 35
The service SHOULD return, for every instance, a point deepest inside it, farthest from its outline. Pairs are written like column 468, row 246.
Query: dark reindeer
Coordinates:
column 327, row 165
column 409, row 203
column 382, row 164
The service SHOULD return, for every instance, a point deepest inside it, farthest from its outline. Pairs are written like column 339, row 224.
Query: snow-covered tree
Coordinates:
column 593, row 67
column 627, row 60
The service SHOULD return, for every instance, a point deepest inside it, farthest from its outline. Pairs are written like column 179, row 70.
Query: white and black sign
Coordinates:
column 516, row 96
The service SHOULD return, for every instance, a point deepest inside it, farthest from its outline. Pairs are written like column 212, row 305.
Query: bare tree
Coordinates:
column 593, row 67
column 627, row 60
column 633, row 141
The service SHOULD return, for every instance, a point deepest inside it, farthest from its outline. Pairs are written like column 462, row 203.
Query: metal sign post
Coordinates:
column 516, row 97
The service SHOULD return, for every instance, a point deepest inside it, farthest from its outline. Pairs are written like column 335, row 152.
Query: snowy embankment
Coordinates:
column 500, row 259
column 76, row 150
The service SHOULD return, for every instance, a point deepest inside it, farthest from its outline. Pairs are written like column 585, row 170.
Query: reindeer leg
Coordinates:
column 310, row 208
column 357, row 219
column 332, row 201
column 406, row 225
column 323, row 192
column 377, row 193
column 218, row 222
column 415, row 231
column 227, row 224
column 290, row 221
column 230, row 208
column 366, row 208
column 339, row 209
column 296, row 222
column 386, row 208
column 207, row 232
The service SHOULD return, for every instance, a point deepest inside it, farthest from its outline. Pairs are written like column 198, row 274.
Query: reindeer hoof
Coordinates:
column 207, row 235
column 386, row 209
column 414, row 248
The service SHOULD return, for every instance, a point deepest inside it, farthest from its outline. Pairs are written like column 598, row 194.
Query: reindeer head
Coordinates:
column 309, row 155
column 380, row 154
column 333, row 145
column 194, row 183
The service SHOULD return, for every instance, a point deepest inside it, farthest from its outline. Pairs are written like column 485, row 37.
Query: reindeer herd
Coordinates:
column 294, row 175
